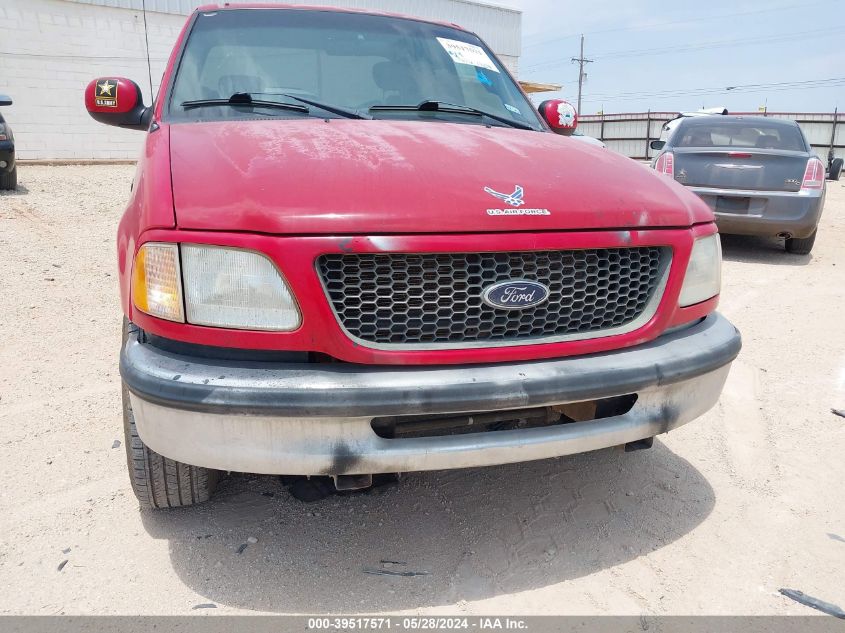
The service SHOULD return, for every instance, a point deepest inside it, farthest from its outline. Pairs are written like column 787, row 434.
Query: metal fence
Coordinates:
column 631, row 133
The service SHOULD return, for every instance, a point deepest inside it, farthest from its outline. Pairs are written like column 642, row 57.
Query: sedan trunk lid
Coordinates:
column 739, row 168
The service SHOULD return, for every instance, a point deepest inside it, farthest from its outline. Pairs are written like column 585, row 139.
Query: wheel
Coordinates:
column 9, row 180
column 801, row 245
column 835, row 169
column 159, row 482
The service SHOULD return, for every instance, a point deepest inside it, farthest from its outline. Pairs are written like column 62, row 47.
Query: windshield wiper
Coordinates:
column 433, row 105
column 243, row 99
column 328, row 107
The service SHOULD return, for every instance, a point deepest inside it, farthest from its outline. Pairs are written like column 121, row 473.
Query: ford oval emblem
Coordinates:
column 515, row 294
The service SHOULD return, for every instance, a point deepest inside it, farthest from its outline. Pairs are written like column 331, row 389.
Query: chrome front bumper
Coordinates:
column 310, row 419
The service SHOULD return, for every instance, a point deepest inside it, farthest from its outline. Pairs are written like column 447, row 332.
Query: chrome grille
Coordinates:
column 434, row 300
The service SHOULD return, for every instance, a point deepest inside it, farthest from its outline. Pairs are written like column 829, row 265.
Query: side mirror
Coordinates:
column 117, row 101
column 560, row 115
column 4, row 100
column 657, row 144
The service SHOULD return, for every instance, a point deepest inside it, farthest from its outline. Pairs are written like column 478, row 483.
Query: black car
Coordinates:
column 8, row 169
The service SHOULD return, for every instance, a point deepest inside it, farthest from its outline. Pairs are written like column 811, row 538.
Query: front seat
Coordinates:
column 700, row 138
column 766, row 141
column 397, row 82
column 230, row 84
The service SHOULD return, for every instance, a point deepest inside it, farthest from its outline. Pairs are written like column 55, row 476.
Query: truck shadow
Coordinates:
column 11, row 193
column 477, row 533
column 751, row 249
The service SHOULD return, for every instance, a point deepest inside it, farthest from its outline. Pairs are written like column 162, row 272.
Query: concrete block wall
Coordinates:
column 51, row 49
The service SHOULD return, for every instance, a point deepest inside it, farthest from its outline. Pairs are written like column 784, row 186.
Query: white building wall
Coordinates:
column 499, row 26
column 51, row 49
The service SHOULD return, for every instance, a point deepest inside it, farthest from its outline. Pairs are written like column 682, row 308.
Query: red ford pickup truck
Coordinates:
column 354, row 247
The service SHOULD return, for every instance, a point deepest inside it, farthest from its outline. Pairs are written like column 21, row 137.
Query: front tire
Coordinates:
column 801, row 245
column 835, row 169
column 157, row 481
column 9, row 180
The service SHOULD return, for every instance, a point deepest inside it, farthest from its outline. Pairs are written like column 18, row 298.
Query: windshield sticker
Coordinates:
column 513, row 109
column 469, row 54
column 479, row 74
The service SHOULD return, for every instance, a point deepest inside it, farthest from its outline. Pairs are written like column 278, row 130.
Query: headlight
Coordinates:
column 234, row 288
column 223, row 287
column 703, row 278
column 156, row 281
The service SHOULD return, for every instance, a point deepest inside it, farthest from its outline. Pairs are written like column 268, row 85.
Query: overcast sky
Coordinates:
column 689, row 52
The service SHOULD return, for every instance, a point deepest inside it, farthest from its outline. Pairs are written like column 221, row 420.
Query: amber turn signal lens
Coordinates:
column 157, row 282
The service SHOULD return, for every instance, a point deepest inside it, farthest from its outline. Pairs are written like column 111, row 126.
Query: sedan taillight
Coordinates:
column 666, row 164
column 813, row 175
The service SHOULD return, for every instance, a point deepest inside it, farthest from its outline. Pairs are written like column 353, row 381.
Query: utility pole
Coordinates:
column 581, row 74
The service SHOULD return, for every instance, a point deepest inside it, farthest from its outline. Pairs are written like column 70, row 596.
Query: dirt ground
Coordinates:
column 713, row 520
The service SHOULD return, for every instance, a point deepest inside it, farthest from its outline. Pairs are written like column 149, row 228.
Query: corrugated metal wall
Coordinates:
column 630, row 133
column 626, row 133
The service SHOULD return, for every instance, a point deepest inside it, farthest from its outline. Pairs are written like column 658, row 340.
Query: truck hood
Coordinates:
column 313, row 176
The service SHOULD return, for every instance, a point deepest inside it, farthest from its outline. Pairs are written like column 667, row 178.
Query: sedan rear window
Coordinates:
column 745, row 134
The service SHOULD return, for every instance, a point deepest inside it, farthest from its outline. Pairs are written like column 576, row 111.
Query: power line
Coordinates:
column 713, row 91
column 720, row 44
column 695, row 92
column 642, row 52
column 695, row 19
column 795, row 84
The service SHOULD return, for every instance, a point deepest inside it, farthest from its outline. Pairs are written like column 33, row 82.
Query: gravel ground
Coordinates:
column 714, row 519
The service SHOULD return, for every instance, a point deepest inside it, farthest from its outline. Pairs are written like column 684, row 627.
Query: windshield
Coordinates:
column 745, row 134
column 348, row 60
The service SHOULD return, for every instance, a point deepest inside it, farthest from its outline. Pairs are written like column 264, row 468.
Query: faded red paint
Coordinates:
column 296, row 189
column 347, row 176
